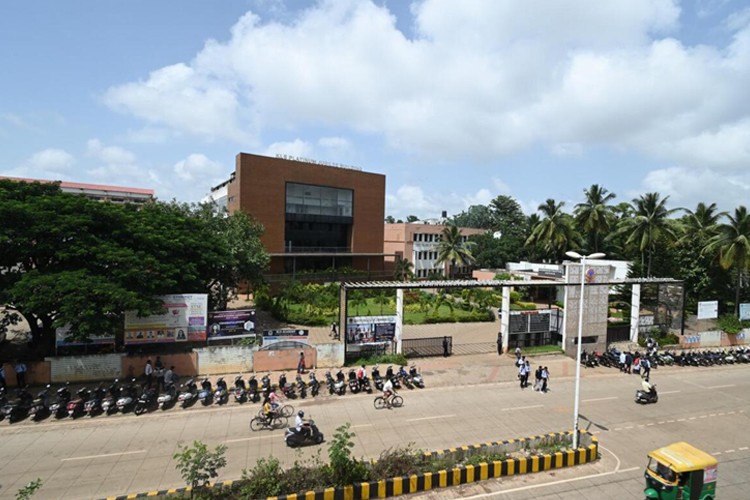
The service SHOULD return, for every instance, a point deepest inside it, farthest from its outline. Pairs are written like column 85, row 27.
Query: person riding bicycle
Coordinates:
column 268, row 411
column 388, row 391
column 302, row 426
column 275, row 400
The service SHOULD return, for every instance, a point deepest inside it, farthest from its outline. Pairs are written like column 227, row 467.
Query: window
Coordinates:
column 318, row 200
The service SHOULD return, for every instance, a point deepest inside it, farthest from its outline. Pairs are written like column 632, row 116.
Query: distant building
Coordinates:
column 100, row 192
column 419, row 242
column 316, row 216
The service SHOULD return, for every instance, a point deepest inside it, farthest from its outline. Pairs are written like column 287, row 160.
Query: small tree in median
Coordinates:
column 198, row 465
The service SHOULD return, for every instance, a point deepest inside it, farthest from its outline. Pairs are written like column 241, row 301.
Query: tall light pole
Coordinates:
column 582, row 258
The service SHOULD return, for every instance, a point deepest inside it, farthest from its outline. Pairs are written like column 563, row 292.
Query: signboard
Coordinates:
column 183, row 319
column 231, row 324
column 284, row 334
column 366, row 329
column 62, row 340
column 708, row 309
column 744, row 312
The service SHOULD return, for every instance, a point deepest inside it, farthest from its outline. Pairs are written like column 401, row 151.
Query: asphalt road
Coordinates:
column 708, row 407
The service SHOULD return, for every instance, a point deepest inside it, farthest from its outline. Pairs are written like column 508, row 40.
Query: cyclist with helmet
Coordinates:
column 302, row 426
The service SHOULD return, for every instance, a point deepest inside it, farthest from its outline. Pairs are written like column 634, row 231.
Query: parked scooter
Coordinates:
column 18, row 409
column 40, row 406
column 353, row 382
column 330, row 383
column 416, row 376
column 314, row 384
column 286, row 388
column 645, row 397
column 146, row 402
column 128, row 397
column 109, row 403
column 206, row 394
column 93, row 406
column 240, row 389
column 189, row 394
column 3, row 402
column 76, row 406
column 60, row 407
column 340, row 385
column 303, row 438
column 301, row 387
column 168, row 397
column 221, row 394
column 389, row 375
column 405, row 378
column 377, row 378
column 265, row 385
column 252, row 389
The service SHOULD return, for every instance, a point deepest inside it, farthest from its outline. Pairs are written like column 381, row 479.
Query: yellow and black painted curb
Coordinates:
column 464, row 474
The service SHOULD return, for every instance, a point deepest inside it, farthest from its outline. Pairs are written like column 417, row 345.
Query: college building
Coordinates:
column 99, row 192
column 317, row 216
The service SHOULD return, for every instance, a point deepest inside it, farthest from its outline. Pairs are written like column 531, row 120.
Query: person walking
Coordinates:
column 526, row 374
column 523, row 374
column 159, row 373
column 545, row 379
column 301, row 363
column 334, row 334
column 445, row 347
column 499, row 344
column 148, row 372
column 538, row 379
column 21, row 374
column 645, row 367
column 622, row 361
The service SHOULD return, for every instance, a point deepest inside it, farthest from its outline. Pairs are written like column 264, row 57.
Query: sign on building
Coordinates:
column 708, row 309
column 365, row 329
column 744, row 312
column 62, row 338
column 183, row 318
column 284, row 334
column 231, row 324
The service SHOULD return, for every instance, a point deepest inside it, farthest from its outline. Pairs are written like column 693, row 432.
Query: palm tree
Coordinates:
column 404, row 270
column 454, row 249
column 648, row 225
column 594, row 216
column 554, row 233
column 733, row 245
column 701, row 224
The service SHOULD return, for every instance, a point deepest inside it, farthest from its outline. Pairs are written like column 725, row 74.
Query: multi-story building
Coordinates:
column 419, row 243
column 115, row 194
column 316, row 216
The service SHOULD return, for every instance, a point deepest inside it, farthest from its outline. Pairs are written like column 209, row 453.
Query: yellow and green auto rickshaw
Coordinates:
column 681, row 472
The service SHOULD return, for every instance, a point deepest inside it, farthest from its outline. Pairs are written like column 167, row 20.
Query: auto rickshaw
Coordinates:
column 681, row 472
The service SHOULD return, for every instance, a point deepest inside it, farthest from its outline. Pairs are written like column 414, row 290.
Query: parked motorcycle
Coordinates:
column 330, row 383
column 221, row 394
column 389, row 375
column 377, row 378
column 93, row 406
column 206, row 394
column 301, row 386
column 146, row 402
column 76, row 407
column 240, row 389
column 645, row 397
column 340, row 385
column 252, row 389
column 353, row 382
column 286, row 388
column 40, row 406
column 109, row 403
column 128, row 397
column 314, row 384
column 416, row 377
column 60, row 407
column 18, row 409
column 168, row 397
column 294, row 438
column 189, row 394
column 265, row 385
column 3, row 402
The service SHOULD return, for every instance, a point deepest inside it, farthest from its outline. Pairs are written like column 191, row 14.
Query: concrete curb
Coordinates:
column 414, row 483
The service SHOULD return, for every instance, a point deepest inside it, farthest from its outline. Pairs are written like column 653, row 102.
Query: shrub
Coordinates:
column 488, row 458
column 29, row 490
column 263, row 480
column 386, row 359
column 731, row 324
column 197, row 465
column 342, row 468
column 397, row 462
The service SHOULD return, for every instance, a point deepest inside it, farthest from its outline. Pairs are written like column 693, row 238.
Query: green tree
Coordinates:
column 404, row 270
column 648, row 226
column 594, row 216
column 732, row 244
column 555, row 232
column 454, row 249
column 411, row 218
column 476, row 216
column 198, row 465
column 390, row 220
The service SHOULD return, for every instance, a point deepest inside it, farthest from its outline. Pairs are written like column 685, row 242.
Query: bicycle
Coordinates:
column 396, row 401
column 258, row 423
column 284, row 411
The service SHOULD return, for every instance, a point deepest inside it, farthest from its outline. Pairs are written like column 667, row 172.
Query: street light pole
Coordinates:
column 582, row 258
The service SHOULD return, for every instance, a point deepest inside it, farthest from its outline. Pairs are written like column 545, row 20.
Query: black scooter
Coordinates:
column 18, row 409
column 146, row 402
column 40, row 406
column 294, row 438
column 240, row 389
column 60, row 407
column 252, row 389
column 644, row 397
column 314, row 384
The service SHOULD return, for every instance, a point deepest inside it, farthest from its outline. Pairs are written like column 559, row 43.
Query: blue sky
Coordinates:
column 455, row 102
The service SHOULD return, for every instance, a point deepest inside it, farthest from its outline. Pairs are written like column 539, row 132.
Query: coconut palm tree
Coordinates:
column 733, row 246
column 701, row 224
column 648, row 225
column 404, row 270
column 555, row 232
column 454, row 249
column 594, row 216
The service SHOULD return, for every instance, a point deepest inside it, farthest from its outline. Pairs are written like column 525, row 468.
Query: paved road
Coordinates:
column 126, row 454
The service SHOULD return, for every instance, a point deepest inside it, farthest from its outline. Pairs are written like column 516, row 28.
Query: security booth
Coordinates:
column 681, row 471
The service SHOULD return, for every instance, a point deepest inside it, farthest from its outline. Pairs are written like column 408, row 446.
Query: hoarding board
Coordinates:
column 231, row 324
column 366, row 329
column 744, row 312
column 62, row 334
column 284, row 334
column 184, row 318
column 708, row 309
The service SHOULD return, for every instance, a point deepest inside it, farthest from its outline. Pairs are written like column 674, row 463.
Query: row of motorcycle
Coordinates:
column 127, row 397
column 705, row 357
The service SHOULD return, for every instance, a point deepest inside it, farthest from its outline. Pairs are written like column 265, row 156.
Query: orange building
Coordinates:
column 316, row 216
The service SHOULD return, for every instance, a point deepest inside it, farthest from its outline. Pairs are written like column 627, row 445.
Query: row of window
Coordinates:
column 432, row 237
column 426, row 255
column 318, row 200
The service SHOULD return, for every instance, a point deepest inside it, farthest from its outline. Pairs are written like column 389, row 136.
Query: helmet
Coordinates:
column 301, row 413
column 646, row 378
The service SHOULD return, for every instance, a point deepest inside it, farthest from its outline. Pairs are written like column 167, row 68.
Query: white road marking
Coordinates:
column 598, row 399
column 743, row 448
column 721, row 386
column 669, row 392
column 428, row 418
column 105, row 455
column 361, row 425
column 239, row 440
column 522, row 408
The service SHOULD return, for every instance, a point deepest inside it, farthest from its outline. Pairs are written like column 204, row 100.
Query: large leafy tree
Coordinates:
column 594, row 216
column 476, row 216
column 732, row 244
column 555, row 232
column 454, row 249
column 648, row 227
column 66, row 259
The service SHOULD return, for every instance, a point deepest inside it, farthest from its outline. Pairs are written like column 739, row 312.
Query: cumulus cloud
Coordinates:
column 197, row 168
column 687, row 186
column 297, row 148
column 109, row 154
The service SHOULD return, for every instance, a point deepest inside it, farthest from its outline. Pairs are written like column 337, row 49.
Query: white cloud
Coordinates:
column 297, row 147
column 198, row 169
column 686, row 187
column 109, row 154
column 57, row 160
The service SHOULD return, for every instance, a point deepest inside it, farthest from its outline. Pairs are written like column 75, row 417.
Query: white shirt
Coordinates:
column 149, row 369
column 299, row 422
column 388, row 386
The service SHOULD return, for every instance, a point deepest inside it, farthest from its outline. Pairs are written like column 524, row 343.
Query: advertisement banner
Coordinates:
column 366, row 329
column 184, row 318
column 231, row 324
column 708, row 309
column 744, row 312
column 62, row 340
column 284, row 334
